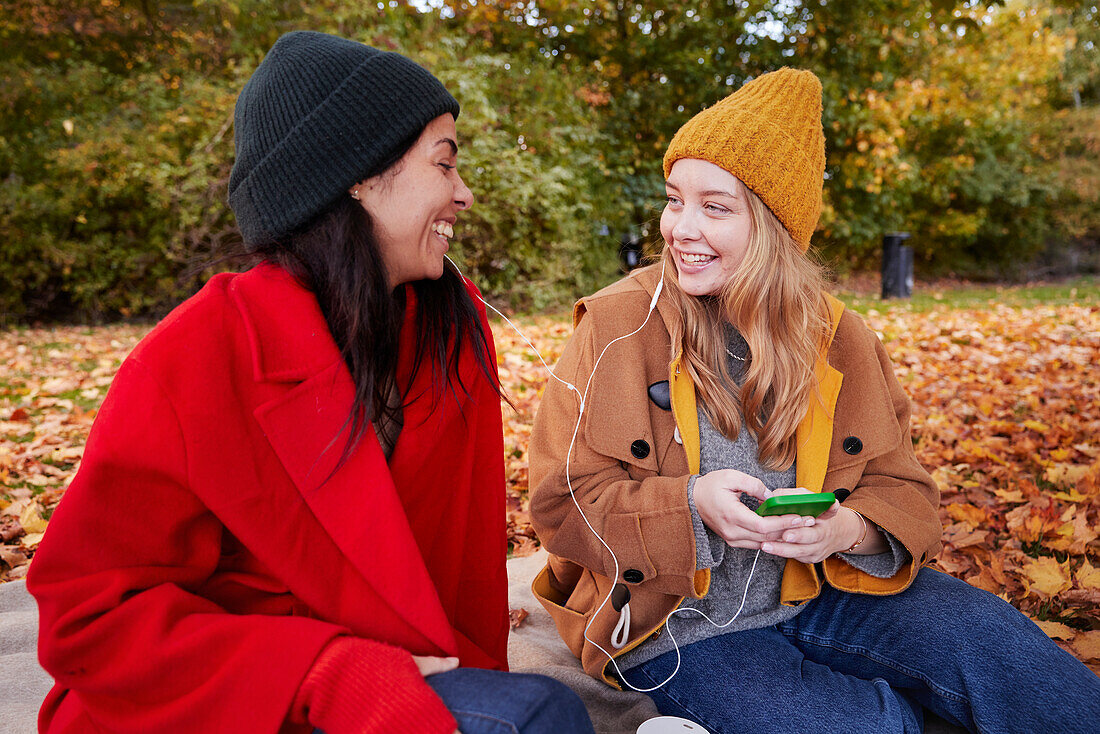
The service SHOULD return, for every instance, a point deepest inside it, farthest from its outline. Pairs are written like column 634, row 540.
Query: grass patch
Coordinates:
column 931, row 297
column 78, row 399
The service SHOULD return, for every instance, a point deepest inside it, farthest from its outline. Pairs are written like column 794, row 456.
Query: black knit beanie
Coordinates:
column 320, row 113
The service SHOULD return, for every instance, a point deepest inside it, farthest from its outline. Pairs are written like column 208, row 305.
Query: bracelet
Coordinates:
column 862, row 536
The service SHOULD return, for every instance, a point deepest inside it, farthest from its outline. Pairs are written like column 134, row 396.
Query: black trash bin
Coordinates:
column 897, row 266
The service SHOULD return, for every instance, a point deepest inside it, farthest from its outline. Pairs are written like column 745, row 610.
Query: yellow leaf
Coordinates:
column 31, row 519
column 1046, row 577
column 1087, row 645
column 31, row 540
column 1056, row 630
column 1065, row 474
column 1087, row 576
column 971, row 515
column 1038, row 426
column 1009, row 495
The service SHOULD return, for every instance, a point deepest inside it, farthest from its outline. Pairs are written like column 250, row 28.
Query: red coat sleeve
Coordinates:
column 130, row 643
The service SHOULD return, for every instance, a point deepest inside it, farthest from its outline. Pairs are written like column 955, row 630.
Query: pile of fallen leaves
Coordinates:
column 1006, row 413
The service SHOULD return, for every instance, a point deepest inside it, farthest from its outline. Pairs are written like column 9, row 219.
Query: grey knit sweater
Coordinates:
column 730, row 567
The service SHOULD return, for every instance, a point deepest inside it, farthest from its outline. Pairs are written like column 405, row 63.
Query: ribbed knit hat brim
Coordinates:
column 318, row 114
column 769, row 135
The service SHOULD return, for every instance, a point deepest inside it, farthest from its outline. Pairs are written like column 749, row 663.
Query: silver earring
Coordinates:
column 355, row 194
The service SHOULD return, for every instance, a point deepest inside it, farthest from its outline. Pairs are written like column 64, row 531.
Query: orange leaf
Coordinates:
column 516, row 617
column 1056, row 630
column 973, row 516
column 1087, row 645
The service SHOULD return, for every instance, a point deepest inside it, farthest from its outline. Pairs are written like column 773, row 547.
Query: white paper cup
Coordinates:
column 670, row 725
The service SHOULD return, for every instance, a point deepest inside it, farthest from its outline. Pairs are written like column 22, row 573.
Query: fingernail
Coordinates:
column 767, row 547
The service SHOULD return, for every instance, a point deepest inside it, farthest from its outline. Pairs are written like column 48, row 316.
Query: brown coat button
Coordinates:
column 640, row 449
column 852, row 445
column 633, row 576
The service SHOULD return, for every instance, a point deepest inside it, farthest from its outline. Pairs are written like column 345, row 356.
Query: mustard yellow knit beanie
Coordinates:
column 768, row 134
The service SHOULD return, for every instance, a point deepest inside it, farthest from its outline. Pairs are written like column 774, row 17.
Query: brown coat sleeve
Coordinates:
column 641, row 514
column 892, row 490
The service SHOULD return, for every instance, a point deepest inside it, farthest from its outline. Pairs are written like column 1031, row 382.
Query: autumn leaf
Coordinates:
column 1066, row 475
column 1056, row 630
column 1087, row 577
column 1087, row 645
column 31, row 519
column 1046, row 577
column 516, row 617
column 973, row 516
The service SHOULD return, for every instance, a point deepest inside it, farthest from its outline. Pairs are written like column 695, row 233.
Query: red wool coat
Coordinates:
column 207, row 550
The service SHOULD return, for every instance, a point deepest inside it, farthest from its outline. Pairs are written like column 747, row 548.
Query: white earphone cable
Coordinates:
column 622, row 629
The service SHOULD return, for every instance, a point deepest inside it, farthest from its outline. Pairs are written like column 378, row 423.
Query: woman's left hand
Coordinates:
column 831, row 531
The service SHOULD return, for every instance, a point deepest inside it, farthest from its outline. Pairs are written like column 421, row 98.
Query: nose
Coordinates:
column 684, row 226
column 464, row 198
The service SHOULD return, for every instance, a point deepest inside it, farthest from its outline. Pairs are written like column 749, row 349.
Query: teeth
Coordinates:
column 443, row 229
column 693, row 258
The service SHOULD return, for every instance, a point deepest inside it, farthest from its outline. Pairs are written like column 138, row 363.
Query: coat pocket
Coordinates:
column 569, row 622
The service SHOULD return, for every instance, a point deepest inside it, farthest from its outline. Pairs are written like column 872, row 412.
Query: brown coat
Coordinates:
column 631, row 461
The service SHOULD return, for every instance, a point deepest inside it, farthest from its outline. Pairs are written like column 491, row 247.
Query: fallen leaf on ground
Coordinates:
column 1087, row 645
column 1056, row 630
column 1046, row 577
column 516, row 617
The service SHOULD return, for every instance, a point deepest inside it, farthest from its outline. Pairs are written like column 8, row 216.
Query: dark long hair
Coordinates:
column 337, row 256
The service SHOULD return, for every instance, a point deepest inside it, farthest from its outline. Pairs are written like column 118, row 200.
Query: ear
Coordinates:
column 354, row 189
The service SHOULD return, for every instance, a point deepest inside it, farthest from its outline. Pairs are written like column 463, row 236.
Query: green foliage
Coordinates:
column 534, row 233
column 973, row 126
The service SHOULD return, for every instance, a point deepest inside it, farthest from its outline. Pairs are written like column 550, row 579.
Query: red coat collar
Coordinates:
column 287, row 334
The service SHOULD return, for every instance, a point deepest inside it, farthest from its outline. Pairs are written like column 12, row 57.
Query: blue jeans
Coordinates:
column 856, row 663
column 493, row 702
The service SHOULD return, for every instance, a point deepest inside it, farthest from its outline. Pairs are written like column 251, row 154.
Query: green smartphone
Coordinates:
column 796, row 504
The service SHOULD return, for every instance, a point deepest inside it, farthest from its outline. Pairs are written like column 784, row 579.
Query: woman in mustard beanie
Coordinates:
column 737, row 522
column 289, row 516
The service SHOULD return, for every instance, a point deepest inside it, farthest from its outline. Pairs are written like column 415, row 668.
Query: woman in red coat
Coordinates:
column 290, row 514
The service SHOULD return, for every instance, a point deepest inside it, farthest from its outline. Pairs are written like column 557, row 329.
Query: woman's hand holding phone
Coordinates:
column 718, row 500
column 833, row 531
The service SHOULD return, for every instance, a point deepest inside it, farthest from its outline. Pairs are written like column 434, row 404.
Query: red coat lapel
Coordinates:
column 357, row 505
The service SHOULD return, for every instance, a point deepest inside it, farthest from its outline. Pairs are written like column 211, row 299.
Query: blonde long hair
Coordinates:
column 776, row 299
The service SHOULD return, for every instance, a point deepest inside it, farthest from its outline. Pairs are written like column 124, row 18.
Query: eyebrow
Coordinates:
column 450, row 142
column 708, row 192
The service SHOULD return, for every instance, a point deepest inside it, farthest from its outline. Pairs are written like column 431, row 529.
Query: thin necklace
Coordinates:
column 740, row 359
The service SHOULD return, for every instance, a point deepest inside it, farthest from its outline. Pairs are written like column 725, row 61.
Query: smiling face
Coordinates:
column 706, row 223
column 415, row 203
